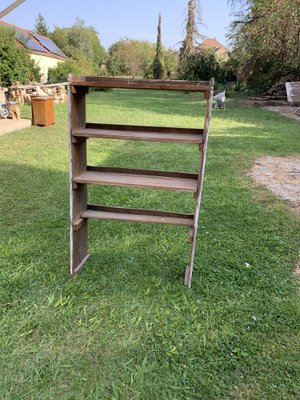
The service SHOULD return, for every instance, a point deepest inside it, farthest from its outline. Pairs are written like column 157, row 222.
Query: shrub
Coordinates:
column 61, row 72
column 15, row 61
column 202, row 65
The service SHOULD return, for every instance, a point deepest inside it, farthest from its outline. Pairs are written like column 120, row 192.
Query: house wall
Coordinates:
column 45, row 63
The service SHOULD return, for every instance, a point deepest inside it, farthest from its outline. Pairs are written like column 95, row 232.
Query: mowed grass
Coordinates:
column 126, row 327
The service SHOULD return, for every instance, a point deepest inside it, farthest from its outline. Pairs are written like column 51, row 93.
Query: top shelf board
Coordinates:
column 146, row 84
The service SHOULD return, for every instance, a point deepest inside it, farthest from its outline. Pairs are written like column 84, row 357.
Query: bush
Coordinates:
column 61, row 72
column 202, row 65
column 15, row 62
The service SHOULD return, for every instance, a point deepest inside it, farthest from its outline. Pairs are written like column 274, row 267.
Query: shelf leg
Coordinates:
column 78, row 192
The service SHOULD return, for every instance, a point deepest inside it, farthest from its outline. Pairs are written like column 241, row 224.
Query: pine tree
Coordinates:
column 191, row 29
column 158, row 65
column 41, row 26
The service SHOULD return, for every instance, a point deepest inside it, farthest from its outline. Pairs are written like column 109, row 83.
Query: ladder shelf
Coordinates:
column 82, row 175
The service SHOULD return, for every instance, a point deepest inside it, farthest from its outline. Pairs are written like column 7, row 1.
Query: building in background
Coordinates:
column 222, row 53
column 42, row 49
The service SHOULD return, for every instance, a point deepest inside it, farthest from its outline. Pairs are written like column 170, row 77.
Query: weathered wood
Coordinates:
column 169, row 174
column 78, row 195
column 81, row 174
column 138, row 215
column 189, row 268
column 140, row 133
column 145, row 128
column 137, row 180
column 145, row 84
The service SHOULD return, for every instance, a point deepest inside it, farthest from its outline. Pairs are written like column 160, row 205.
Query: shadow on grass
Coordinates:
column 36, row 237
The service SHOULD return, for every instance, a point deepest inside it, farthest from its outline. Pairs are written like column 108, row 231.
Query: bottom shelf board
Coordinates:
column 137, row 215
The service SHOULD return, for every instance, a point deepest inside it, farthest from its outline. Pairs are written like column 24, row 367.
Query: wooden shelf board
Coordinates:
column 140, row 179
column 140, row 133
column 137, row 215
column 146, row 84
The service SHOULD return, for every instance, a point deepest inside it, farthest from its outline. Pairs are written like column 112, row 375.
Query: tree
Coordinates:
column 41, row 26
column 62, row 70
column 159, row 68
column 265, row 38
column 171, row 59
column 202, row 65
column 130, row 57
column 81, row 43
column 15, row 61
column 194, row 18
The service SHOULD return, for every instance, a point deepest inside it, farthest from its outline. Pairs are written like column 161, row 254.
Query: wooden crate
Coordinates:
column 82, row 175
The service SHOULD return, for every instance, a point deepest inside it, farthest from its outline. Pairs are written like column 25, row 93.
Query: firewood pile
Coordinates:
column 278, row 91
column 22, row 94
column 276, row 95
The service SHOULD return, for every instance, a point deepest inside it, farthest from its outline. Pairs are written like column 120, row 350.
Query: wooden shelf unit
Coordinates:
column 81, row 175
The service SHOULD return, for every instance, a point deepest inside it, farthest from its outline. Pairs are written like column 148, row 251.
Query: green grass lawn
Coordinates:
column 126, row 327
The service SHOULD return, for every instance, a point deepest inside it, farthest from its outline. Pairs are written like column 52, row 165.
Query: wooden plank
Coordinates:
column 78, row 195
column 145, row 84
column 151, row 134
column 169, row 174
column 137, row 180
column 144, row 128
column 138, row 215
column 194, row 230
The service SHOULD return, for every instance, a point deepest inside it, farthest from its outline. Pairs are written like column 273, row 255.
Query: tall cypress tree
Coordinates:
column 191, row 29
column 158, row 65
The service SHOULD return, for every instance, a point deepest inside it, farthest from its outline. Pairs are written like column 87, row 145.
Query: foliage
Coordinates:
column 15, row 61
column 202, row 65
column 41, row 26
column 266, row 43
column 130, row 57
column 82, row 45
column 125, row 327
column 171, row 59
column 194, row 18
column 159, row 67
column 63, row 69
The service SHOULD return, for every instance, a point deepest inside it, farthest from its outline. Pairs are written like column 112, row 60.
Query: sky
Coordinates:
column 115, row 19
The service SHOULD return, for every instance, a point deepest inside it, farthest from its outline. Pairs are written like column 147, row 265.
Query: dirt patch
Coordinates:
column 278, row 106
column 297, row 270
column 288, row 111
column 281, row 175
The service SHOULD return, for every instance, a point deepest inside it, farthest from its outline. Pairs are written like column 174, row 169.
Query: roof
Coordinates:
column 36, row 43
column 212, row 43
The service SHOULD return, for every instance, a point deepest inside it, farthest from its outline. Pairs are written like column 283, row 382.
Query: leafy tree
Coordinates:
column 81, row 43
column 159, row 67
column 194, row 18
column 41, row 26
column 61, row 72
column 171, row 59
column 130, row 57
column 266, row 41
column 15, row 61
column 202, row 65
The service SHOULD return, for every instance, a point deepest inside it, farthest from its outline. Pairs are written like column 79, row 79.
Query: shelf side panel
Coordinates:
column 78, row 193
